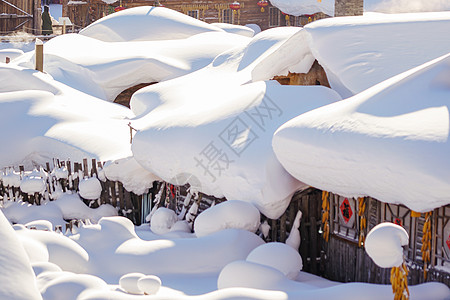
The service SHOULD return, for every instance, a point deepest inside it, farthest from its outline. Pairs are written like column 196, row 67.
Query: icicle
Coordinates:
column 294, row 239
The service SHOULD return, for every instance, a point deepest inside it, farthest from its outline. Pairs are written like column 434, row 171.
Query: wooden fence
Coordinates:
column 341, row 259
column 24, row 15
column 127, row 203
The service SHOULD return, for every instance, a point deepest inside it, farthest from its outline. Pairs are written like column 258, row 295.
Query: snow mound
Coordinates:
column 129, row 283
column 90, row 188
column 149, row 284
column 249, row 275
column 304, row 7
column 278, row 256
column 236, row 29
column 73, row 286
column 54, row 248
column 133, row 25
column 16, row 275
column 378, row 136
column 228, row 214
column 114, row 239
column 356, row 52
column 44, row 266
column 384, row 244
column 11, row 53
column 163, row 220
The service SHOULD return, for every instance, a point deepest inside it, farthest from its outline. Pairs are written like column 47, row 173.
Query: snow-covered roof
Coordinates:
column 359, row 52
column 390, row 142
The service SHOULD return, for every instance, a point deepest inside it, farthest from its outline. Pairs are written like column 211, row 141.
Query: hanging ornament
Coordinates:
column 119, row 8
column 235, row 6
column 262, row 4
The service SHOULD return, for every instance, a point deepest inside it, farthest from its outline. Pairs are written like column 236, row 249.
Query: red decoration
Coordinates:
column 346, row 210
column 119, row 8
column 448, row 242
column 398, row 222
column 235, row 5
column 262, row 4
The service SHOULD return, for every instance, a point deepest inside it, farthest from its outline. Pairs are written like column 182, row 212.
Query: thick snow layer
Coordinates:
column 304, row 7
column 231, row 119
column 163, row 220
column 90, row 188
column 16, row 276
column 384, row 244
column 47, row 119
column 66, row 207
column 114, row 240
column 357, row 52
column 125, row 170
column 33, row 183
column 11, row 53
column 54, row 285
column 279, row 256
column 252, row 276
column 236, row 29
column 228, row 214
column 49, row 246
column 403, row 6
column 133, row 24
column 388, row 142
column 105, row 69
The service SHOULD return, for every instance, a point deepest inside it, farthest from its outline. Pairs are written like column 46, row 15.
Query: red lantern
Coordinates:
column 119, row 8
column 262, row 4
column 235, row 6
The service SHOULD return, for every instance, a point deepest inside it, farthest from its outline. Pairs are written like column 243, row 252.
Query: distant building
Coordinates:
column 83, row 13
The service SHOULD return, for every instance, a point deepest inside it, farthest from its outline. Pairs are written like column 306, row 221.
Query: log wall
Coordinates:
column 24, row 15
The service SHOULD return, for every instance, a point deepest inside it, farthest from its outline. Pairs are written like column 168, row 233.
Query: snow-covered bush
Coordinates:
column 228, row 214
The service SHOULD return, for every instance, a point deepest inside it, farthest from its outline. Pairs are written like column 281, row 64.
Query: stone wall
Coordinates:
column 348, row 8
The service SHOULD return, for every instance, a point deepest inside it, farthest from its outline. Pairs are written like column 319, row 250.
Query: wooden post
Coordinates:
column 7, row 60
column 37, row 17
column 39, row 55
column 64, row 27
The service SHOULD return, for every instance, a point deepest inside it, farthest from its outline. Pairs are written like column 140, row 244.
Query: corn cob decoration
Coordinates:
column 426, row 243
column 399, row 281
column 325, row 215
column 362, row 221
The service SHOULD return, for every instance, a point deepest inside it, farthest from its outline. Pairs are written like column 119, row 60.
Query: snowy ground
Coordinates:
column 216, row 120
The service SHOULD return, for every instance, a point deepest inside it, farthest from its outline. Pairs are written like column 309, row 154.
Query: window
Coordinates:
column 193, row 13
column 227, row 16
column 274, row 17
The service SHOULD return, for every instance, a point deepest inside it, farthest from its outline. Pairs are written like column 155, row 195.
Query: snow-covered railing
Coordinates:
column 45, row 184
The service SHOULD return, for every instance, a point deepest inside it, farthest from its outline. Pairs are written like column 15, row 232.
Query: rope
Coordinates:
column 426, row 243
column 325, row 215
column 362, row 221
column 399, row 282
